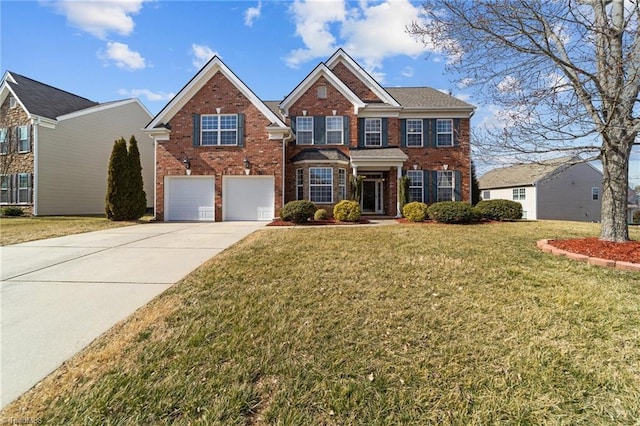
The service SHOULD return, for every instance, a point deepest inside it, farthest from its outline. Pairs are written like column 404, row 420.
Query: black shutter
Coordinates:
column 403, row 132
column 457, row 182
column 319, row 130
column 433, row 133
column 196, row 129
column 345, row 128
column 426, row 187
column 360, row 132
column 385, row 132
column 240, row 129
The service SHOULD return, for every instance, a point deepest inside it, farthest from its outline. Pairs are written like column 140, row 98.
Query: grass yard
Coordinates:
column 15, row 230
column 403, row 324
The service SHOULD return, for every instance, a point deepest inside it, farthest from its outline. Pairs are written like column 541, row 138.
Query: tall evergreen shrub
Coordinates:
column 137, row 198
column 115, row 203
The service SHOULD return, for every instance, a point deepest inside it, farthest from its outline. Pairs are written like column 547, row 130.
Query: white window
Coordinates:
column 486, row 195
column 595, row 193
column 4, row 189
column 321, row 185
column 342, row 184
column 414, row 132
column 23, row 139
column 519, row 194
column 304, row 130
column 445, row 186
column 4, row 142
column 24, row 188
column 334, row 130
column 444, row 132
column 299, row 184
column 415, row 185
column 372, row 132
column 219, row 129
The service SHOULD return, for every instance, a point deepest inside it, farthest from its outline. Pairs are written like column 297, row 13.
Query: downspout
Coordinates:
column 285, row 140
column 155, row 177
column 36, row 126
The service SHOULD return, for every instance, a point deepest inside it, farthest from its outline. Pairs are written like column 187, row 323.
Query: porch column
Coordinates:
column 355, row 169
column 398, row 212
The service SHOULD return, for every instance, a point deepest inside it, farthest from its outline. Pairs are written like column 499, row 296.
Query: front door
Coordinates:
column 372, row 196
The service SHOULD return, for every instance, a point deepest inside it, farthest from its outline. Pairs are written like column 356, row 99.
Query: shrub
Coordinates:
column 500, row 209
column 453, row 212
column 320, row 214
column 298, row 211
column 347, row 211
column 415, row 211
column 12, row 211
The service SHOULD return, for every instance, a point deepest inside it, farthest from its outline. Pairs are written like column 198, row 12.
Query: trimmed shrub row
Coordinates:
column 301, row 211
column 461, row 212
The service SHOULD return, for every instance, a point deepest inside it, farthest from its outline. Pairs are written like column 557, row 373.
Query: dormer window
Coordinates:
column 12, row 102
column 322, row 92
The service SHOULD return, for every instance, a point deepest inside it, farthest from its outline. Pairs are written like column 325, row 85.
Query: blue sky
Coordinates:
column 151, row 48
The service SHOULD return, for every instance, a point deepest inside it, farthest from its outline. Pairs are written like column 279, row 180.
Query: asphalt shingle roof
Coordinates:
column 425, row 97
column 44, row 100
column 315, row 154
column 521, row 174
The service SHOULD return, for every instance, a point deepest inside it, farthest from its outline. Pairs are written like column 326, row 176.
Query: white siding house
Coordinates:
column 558, row 189
column 55, row 147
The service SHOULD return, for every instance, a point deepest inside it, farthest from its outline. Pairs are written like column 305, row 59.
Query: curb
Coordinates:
column 596, row 261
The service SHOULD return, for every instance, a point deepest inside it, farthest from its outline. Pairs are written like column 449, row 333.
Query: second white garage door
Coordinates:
column 248, row 197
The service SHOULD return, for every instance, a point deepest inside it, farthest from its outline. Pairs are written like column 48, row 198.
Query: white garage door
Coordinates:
column 189, row 198
column 248, row 197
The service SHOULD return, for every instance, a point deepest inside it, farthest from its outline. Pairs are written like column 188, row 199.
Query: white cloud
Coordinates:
column 201, row 54
column 100, row 18
column 147, row 94
column 123, row 57
column 508, row 84
column 369, row 32
column 252, row 14
column 407, row 72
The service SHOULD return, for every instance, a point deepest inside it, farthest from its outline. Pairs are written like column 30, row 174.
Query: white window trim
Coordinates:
column 595, row 193
column 330, row 185
column 299, row 183
column 304, row 117
column 23, row 188
column 421, row 133
column 379, row 120
column 342, row 184
column 341, row 129
column 420, row 174
column 438, row 133
column 219, row 131
column 7, row 190
column 20, row 150
column 452, row 187
column 519, row 194
column 4, row 141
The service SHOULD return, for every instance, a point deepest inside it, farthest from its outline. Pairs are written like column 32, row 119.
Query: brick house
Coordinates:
column 55, row 147
column 223, row 154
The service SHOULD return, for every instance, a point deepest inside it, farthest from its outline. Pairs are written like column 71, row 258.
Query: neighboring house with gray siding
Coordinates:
column 558, row 189
column 55, row 147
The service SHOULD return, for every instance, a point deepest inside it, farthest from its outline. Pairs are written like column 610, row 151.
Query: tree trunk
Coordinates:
column 615, row 184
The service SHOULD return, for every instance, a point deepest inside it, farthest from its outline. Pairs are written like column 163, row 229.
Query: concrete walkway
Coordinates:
column 58, row 295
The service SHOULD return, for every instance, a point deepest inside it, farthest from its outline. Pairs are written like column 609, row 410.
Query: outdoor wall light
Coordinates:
column 247, row 166
column 187, row 163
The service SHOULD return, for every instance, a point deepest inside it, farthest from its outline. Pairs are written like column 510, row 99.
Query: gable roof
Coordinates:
column 210, row 69
column 342, row 57
column 523, row 174
column 321, row 71
column 41, row 99
column 421, row 97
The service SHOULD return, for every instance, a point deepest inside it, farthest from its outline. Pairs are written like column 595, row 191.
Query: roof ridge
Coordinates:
column 50, row 86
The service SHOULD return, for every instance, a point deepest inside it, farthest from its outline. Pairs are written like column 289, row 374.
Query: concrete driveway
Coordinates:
column 58, row 295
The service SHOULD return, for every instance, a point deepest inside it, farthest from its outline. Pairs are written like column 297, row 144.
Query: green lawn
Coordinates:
column 404, row 324
column 15, row 230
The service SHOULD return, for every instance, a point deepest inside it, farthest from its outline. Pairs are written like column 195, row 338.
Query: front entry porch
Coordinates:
column 373, row 200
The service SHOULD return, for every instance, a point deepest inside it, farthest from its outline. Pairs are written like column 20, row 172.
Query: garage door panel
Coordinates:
column 248, row 197
column 189, row 198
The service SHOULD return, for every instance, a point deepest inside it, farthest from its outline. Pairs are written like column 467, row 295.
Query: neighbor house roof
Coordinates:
column 43, row 100
column 522, row 174
column 421, row 97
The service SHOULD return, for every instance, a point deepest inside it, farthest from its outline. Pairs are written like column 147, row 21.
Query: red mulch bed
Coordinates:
column 278, row 222
column 593, row 247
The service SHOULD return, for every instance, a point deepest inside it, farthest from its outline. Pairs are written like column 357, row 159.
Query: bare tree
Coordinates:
column 565, row 73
